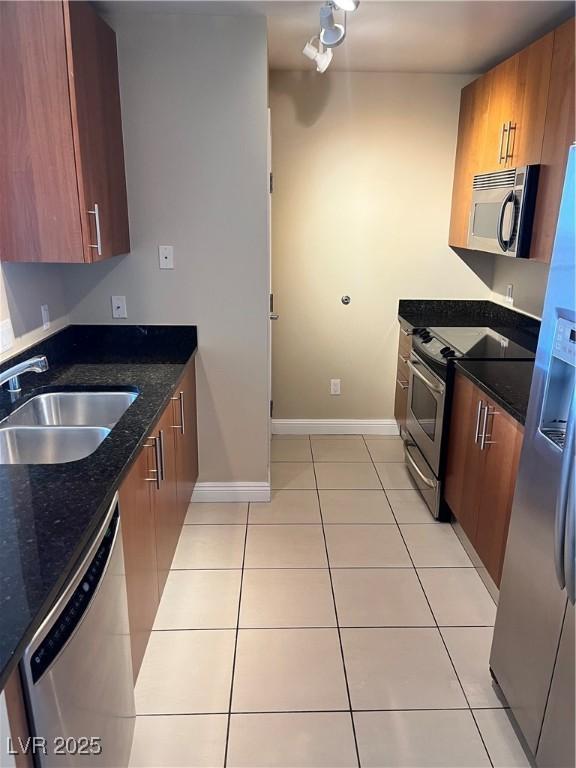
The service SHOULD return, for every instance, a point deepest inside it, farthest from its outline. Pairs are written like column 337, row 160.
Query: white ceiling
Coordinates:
column 454, row 36
column 451, row 36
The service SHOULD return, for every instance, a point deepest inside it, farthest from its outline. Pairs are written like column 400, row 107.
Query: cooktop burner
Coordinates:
column 442, row 343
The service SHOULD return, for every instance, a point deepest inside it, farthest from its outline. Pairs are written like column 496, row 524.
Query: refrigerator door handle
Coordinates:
column 570, row 542
column 563, row 499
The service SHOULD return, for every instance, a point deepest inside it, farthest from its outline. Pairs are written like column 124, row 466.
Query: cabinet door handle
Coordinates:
column 511, row 136
column 96, row 213
column 501, row 154
column 483, row 441
column 162, row 467
column 156, row 472
column 404, row 358
column 180, row 426
column 406, row 332
column 402, row 384
column 478, row 417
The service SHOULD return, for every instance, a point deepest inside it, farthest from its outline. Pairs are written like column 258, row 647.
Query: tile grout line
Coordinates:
column 236, row 640
column 441, row 635
column 337, row 620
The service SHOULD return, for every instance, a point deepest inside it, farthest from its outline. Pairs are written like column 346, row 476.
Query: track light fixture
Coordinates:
column 331, row 34
column 321, row 56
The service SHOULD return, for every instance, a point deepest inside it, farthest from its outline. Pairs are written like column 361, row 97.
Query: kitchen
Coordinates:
column 346, row 526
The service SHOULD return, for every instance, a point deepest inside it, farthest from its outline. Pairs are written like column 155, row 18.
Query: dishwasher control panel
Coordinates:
column 75, row 608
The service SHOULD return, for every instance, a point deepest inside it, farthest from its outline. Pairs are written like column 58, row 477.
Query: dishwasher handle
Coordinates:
column 66, row 616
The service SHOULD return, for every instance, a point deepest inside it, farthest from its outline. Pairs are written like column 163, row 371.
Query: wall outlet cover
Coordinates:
column 6, row 335
column 166, row 256
column 119, row 310
column 45, row 316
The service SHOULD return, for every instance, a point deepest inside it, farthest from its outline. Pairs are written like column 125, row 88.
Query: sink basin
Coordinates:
column 48, row 445
column 90, row 409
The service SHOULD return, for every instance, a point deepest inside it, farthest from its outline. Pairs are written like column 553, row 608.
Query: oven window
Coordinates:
column 486, row 219
column 424, row 407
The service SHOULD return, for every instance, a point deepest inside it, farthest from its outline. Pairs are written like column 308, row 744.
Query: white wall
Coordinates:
column 23, row 289
column 194, row 108
column 363, row 167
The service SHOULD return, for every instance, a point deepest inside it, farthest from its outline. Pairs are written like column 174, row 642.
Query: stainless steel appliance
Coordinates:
column 533, row 648
column 502, row 211
column 78, row 668
column 425, row 424
column 429, row 394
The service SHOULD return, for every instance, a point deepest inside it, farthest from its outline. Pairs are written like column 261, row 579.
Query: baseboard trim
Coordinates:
column 231, row 492
column 334, row 427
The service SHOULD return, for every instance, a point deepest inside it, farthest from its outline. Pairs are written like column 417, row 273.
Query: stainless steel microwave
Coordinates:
column 502, row 211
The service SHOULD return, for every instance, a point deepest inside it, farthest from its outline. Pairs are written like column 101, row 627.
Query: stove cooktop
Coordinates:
column 442, row 343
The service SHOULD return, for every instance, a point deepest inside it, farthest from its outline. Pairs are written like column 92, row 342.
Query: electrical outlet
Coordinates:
column 6, row 335
column 45, row 316
column 334, row 386
column 509, row 299
column 166, row 256
column 119, row 307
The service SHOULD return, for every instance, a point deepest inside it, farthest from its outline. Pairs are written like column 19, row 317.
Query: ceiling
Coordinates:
column 454, row 36
column 446, row 36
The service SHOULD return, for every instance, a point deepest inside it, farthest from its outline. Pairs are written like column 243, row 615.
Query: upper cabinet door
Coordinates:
column 61, row 153
column 97, row 123
column 559, row 134
column 40, row 217
column 529, row 106
column 470, row 149
column 501, row 87
column 517, row 111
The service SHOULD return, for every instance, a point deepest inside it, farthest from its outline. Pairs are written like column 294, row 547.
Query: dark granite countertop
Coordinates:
column 505, row 381
column 50, row 512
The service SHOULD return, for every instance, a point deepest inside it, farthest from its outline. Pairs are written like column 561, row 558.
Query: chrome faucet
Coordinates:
column 37, row 364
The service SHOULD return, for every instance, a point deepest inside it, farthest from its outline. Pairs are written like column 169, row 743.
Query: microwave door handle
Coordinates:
column 504, row 244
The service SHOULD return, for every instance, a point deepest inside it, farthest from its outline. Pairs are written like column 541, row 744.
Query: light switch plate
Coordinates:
column 334, row 386
column 45, row 316
column 6, row 335
column 119, row 310
column 166, row 256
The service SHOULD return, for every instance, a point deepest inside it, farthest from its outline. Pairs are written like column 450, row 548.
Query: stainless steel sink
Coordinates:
column 48, row 445
column 89, row 409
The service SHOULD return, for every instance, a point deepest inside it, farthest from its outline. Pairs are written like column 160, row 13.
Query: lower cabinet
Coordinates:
column 154, row 497
column 483, row 454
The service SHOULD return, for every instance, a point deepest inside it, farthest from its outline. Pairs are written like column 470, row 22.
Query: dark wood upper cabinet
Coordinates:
column 481, row 471
column 521, row 112
column 62, row 180
column 559, row 134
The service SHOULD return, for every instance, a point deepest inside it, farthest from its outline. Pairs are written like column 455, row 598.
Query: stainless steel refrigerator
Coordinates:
column 533, row 648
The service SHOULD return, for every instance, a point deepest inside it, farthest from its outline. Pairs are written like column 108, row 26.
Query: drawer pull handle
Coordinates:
column 402, row 384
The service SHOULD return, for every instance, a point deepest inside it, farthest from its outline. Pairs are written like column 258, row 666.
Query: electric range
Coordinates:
column 430, row 393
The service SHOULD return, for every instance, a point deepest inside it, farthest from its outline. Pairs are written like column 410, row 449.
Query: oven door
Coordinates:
column 493, row 224
column 425, row 413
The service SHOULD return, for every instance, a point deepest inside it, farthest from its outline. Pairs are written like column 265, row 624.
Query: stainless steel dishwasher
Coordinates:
column 78, row 667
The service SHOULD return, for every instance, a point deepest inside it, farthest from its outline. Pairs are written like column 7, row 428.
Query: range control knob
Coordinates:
column 444, row 350
column 449, row 353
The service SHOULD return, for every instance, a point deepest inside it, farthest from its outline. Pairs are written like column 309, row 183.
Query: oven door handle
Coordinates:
column 431, row 386
column 418, row 471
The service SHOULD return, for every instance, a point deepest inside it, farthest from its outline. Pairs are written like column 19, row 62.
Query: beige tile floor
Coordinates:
column 339, row 625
